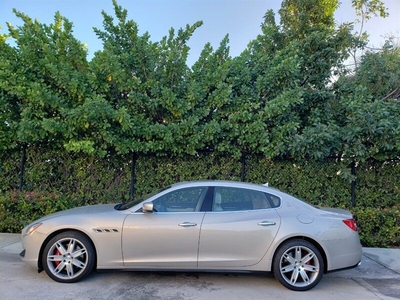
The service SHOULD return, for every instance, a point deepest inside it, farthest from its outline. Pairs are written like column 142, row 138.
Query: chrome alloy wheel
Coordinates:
column 299, row 266
column 67, row 258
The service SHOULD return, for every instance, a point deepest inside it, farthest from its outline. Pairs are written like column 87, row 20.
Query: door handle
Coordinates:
column 187, row 224
column 266, row 223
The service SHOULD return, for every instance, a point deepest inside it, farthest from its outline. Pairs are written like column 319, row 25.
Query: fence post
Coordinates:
column 243, row 172
column 353, row 184
column 133, row 176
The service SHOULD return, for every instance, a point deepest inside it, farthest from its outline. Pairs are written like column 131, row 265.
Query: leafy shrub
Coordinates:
column 154, row 172
column 9, row 170
column 378, row 227
column 378, row 184
column 18, row 209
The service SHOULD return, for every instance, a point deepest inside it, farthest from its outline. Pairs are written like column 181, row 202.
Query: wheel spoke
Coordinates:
column 289, row 258
column 71, row 246
column 61, row 248
column 304, row 276
column 295, row 275
column 307, row 258
column 311, row 268
column 55, row 258
column 78, row 253
column 298, row 254
column 59, row 268
column 70, row 270
column 78, row 263
column 288, row 268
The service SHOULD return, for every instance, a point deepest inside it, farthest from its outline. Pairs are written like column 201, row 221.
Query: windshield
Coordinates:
column 123, row 206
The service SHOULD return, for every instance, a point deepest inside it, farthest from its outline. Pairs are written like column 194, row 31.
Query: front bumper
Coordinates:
column 31, row 245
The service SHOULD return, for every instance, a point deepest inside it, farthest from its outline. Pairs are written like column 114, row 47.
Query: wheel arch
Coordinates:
column 308, row 239
column 53, row 234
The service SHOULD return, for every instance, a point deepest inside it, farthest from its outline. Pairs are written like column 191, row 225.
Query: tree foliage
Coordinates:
column 368, row 107
column 365, row 10
column 286, row 95
column 386, row 63
column 148, row 84
column 290, row 68
column 43, row 75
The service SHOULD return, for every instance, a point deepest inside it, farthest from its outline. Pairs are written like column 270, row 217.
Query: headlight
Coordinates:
column 32, row 228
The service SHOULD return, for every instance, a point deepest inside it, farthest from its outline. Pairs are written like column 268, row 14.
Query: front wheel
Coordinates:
column 69, row 257
column 298, row 265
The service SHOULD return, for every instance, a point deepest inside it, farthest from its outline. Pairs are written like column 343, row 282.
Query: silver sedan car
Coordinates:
column 197, row 226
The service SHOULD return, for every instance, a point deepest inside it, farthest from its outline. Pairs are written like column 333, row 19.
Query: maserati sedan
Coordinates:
column 197, row 226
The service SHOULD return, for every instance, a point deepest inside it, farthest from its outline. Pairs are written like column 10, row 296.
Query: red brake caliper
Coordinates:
column 57, row 262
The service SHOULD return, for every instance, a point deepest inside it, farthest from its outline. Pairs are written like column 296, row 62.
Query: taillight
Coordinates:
column 351, row 223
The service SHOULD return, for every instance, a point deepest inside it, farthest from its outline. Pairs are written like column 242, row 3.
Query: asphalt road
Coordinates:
column 374, row 279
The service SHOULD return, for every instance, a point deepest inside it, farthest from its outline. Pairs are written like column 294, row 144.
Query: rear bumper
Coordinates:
column 351, row 267
column 347, row 255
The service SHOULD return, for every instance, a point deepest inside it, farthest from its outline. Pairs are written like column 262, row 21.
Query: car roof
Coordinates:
column 230, row 183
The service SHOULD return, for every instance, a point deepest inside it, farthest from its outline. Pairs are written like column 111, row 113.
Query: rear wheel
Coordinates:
column 298, row 265
column 69, row 257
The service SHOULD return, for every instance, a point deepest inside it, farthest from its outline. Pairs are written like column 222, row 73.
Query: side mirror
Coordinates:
column 147, row 207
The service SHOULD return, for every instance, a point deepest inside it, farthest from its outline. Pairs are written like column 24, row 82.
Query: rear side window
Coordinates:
column 237, row 199
column 275, row 201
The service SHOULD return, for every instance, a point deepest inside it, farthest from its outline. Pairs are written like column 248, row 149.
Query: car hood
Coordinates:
column 91, row 209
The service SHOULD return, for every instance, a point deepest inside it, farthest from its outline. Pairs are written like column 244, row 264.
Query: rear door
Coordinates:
column 239, row 230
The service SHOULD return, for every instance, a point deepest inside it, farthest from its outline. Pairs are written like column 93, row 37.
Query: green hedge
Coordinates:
column 58, row 180
column 17, row 209
column 316, row 182
column 378, row 184
column 107, row 179
column 378, row 227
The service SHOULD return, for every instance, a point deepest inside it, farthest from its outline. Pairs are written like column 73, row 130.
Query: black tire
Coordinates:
column 298, row 265
column 69, row 257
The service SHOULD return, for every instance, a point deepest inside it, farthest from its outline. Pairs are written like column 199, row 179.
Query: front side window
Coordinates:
column 127, row 205
column 183, row 200
column 236, row 199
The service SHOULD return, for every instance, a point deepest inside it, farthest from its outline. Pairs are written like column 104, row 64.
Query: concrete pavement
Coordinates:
column 378, row 277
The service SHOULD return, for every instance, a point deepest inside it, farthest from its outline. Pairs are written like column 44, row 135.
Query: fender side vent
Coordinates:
column 105, row 230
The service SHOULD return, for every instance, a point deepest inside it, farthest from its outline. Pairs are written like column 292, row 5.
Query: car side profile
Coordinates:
column 197, row 226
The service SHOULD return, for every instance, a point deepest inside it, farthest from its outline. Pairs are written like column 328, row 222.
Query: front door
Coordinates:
column 167, row 237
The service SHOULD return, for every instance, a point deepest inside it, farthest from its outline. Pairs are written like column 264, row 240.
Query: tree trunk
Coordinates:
column 22, row 168
column 353, row 184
